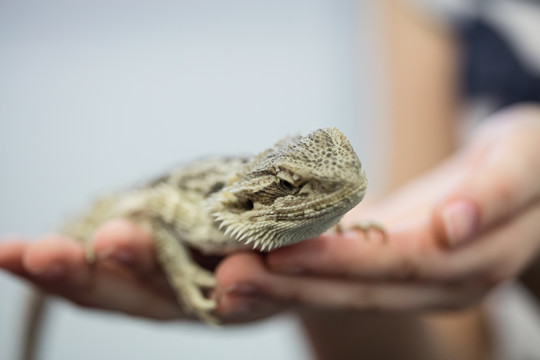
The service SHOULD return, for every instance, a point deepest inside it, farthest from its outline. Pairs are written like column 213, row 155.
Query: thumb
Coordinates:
column 500, row 177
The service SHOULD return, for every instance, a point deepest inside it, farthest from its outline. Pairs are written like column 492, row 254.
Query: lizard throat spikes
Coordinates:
column 295, row 190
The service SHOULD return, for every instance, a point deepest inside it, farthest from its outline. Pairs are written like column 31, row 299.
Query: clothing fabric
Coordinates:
column 500, row 51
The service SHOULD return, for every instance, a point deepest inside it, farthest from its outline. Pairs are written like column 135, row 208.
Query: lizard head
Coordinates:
column 293, row 191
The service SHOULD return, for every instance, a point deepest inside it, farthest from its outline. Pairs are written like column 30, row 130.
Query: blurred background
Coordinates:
column 96, row 96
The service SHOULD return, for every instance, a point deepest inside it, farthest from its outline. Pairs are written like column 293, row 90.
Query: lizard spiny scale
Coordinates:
column 292, row 191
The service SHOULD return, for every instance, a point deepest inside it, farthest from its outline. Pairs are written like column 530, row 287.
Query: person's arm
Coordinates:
column 420, row 58
column 421, row 75
column 125, row 255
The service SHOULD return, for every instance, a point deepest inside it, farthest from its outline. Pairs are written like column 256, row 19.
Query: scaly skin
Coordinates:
column 290, row 192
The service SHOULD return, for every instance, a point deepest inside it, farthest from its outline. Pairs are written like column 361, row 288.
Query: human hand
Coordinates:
column 125, row 277
column 453, row 234
column 419, row 266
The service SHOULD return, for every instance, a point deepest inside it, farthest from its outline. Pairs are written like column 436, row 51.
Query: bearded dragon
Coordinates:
column 293, row 191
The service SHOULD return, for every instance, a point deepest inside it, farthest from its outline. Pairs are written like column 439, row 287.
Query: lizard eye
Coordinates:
column 285, row 185
column 247, row 204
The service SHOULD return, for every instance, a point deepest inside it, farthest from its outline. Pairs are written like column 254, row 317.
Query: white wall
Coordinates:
column 97, row 95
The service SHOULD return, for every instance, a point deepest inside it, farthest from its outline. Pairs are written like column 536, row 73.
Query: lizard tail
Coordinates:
column 34, row 318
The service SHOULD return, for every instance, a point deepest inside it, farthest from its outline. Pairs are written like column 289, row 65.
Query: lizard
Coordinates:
column 292, row 191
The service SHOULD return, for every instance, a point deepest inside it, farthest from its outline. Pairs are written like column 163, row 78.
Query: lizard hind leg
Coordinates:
column 185, row 276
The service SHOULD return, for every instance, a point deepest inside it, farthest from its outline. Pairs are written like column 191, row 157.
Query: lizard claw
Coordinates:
column 195, row 303
column 338, row 228
column 368, row 227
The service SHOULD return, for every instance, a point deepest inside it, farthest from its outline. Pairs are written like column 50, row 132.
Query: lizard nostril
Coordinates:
column 216, row 187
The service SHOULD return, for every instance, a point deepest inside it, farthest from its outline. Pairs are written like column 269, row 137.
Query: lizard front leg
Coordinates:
column 364, row 227
column 186, row 277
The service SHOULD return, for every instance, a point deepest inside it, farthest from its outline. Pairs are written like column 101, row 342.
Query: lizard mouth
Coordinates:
column 267, row 229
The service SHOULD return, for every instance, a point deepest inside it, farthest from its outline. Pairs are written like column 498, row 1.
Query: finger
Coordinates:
column 238, row 307
column 400, row 257
column 238, row 300
column 120, row 291
column 11, row 255
column 500, row 253
column 411, row 202
column 56, row 258
column 410, row 254
column 500, row 178
column 126, row 243
column 345, row 294
column 58, row 265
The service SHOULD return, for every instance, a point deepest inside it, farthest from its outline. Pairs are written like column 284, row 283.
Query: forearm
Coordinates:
column 344, row 335
column 420, row 68
column 531, row 277
column 421, row 82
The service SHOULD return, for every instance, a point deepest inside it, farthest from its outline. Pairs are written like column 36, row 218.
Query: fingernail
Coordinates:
column 123, row 256
column 52, row 272
column 460, row 221
column 105, row 253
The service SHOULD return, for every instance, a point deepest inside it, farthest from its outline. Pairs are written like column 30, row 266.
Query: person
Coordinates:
column 461, row 221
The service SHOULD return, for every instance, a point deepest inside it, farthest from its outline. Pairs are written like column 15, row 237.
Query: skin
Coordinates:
column 429, row 262
column 431, row 258
column 421, row 267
